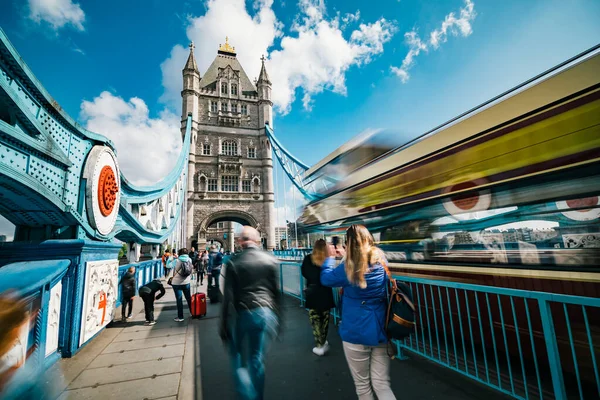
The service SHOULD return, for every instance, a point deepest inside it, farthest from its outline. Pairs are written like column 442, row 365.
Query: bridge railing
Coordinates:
column 291, row 254
column 145, row 272
column 529, row 345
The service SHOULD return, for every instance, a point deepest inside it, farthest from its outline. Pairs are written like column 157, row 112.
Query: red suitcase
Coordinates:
column 198, row 305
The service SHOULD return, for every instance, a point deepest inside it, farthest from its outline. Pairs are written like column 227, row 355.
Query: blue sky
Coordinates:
column 334, row 65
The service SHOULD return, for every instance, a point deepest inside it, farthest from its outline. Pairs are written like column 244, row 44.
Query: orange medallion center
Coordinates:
column 464, row 201
column 107, row 190
column 585, row 202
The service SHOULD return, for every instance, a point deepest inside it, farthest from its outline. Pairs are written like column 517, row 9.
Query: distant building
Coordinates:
column 280, row 234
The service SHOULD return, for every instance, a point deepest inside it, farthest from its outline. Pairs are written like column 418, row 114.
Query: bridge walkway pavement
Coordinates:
column 186, row 360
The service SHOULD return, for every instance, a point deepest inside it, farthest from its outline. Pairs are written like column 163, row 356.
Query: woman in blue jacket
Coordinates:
column 362, row 329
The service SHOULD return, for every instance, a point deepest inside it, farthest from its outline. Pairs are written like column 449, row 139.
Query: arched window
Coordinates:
column 224, row 88
column 234, row 89
column 229, row 148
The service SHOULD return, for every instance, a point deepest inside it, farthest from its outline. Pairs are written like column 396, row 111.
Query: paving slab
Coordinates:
column 136, row 356
column 127, row 372
column 161, row 323
column 131, row 361
column 293, row 372
column 150, row 333
column 141, row 389
column 164, row 341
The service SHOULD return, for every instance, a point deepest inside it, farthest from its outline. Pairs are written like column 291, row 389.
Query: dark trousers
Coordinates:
column 127, row 301
column 200, row 276
column 185, row 290
column 215, row 275
column 148, row 299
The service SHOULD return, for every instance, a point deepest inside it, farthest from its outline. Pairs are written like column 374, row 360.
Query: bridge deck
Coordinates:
column 186, row 360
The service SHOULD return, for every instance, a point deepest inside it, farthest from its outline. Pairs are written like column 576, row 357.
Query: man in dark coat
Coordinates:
column 127, row 292
column 252, row 290
column 147, row 293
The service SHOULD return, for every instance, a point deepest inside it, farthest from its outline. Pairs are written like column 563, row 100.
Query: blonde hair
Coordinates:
column 319, row 253
column 360, row 253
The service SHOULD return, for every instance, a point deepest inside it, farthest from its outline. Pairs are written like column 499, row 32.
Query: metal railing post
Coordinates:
column 281, row 277
column 301, row 287
column 552, row 350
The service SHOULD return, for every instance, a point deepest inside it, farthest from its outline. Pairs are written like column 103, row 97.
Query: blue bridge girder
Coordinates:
column 43, row 156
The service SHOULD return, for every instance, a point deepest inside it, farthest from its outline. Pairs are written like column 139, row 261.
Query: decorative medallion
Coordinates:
column 468, row 202
column 103, row 194
column 107, row 190
column 585, row 209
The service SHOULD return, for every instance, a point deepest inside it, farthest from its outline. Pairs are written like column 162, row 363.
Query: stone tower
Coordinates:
column 230, row 165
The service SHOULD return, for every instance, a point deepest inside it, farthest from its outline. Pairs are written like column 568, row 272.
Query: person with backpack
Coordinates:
column 362, row 275
column 182, row 276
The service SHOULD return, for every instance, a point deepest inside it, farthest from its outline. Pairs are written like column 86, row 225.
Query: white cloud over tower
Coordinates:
column 312, row 57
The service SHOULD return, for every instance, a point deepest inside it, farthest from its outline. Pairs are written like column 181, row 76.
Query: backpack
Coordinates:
column 400, row 317
column 185, row 269
column 215, row 260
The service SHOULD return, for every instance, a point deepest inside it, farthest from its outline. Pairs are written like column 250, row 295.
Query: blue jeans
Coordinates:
column 185, row 289
column 259, row 326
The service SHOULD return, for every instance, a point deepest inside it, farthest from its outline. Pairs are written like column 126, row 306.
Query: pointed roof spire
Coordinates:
column 263, row 76
column 191, row 61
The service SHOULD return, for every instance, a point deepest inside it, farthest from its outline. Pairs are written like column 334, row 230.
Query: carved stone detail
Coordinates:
column 99, row 298
column 53, row 319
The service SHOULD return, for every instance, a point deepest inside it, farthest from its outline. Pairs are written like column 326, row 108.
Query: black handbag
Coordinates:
column 400, row 317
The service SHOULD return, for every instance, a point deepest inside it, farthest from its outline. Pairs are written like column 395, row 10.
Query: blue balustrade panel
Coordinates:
column 528, row 345
column 39, row 285
column 145, row 271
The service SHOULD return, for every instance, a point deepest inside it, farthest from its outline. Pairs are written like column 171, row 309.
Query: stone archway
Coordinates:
column 204, row 236
column 240, row 217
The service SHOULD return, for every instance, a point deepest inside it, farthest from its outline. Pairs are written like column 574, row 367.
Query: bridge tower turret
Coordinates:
column 190, row 97
column 265, row 117
column 191, row 87
column 265, row 105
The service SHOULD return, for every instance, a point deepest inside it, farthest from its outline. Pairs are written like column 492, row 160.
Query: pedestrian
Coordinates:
column 364, row 280
column 193, row 255
column 318, row 298
column 201, row 266
column 148, row 293
column 215, row 262
column 166, row 258
column 252, row 289
column 127, row 293
column 182, row 276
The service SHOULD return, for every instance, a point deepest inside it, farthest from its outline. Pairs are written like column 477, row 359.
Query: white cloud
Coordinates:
column 451, row 24
column 251, row 36
column 57, row 13
column 147, row 148
column 314, row 57
column 350, row 18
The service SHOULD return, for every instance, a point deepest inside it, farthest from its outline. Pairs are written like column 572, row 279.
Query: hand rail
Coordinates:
column 525, row 344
